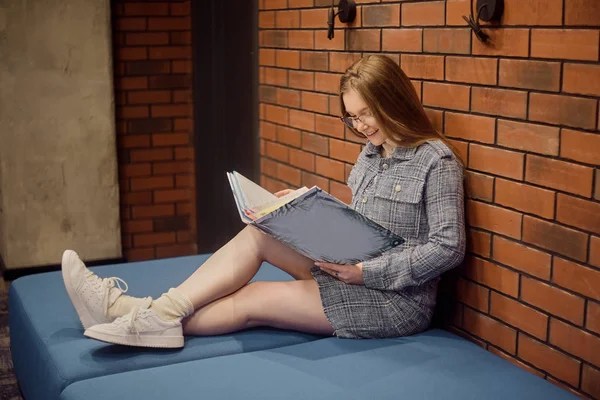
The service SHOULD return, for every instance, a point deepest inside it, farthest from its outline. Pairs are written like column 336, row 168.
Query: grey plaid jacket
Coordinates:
column 417, row 194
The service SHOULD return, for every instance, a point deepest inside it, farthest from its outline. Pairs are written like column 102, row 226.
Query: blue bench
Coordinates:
column 52, row 358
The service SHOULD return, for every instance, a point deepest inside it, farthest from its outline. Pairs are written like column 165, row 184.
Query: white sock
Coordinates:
column 123, row 304
column 172, row 305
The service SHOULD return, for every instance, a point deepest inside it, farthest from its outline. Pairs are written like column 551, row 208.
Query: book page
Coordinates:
column 253, row 195
column 272, row 206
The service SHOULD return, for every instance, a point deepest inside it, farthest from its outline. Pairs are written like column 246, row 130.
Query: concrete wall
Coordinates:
column 58, row 166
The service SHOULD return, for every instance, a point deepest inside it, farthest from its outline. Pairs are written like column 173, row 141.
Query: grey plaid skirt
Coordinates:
column 355, row 311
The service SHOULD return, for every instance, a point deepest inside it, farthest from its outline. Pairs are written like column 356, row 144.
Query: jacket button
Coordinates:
column 364, row 199
column 397, row 188
column 384, row 166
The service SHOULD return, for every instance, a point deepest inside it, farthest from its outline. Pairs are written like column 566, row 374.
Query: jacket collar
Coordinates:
column 401, row 153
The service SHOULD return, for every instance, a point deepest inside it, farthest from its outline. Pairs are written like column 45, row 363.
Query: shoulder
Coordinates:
column 435, row 149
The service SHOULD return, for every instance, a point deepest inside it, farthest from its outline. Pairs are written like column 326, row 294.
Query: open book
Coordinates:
column 312, row 222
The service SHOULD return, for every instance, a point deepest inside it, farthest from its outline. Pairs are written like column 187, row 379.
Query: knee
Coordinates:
column 256, row 239
column 247, row 304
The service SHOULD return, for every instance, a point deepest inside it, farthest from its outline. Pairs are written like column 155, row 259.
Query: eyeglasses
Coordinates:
column 349, row 120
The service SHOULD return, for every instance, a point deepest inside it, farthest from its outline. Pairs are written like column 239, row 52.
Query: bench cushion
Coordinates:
column 50, row 352
column 432, row 365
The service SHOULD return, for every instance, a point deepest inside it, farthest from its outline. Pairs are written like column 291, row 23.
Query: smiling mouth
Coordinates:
column 367, row 134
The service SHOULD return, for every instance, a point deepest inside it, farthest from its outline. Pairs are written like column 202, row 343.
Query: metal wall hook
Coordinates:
column 487, row 10
column 346, row 12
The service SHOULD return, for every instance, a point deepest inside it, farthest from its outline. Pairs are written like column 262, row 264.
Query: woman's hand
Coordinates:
column 283, row 192
column 350, row 274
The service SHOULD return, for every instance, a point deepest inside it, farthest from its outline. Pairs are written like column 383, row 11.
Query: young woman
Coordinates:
column 406, row 179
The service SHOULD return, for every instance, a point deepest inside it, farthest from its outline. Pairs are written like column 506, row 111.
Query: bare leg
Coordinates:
column 234, row 264
column 286, row 305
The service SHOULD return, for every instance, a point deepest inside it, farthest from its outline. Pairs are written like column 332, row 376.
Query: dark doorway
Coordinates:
column 225, row 71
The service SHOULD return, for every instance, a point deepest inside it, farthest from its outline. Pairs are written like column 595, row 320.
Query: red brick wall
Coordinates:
column 152, row 60
column 523, row 111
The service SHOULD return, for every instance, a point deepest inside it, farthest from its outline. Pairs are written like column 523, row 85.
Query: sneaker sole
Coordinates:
column 162, row 342
column 84, row 315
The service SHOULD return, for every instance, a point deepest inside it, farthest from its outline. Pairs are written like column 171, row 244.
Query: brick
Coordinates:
column 329, row 168
column 519, row 315
column 495, row 219
column 277, row 114
column 595, row 251
column 180, row 8
column 150, row 125
column 139, row 254
column 575, row 341
column 302, row 120
column 169, row 24
column 577, row 277
column 277, row 151
column 447, row 40
column 132, row 170
column 310, row 180
column 472, row 70
column 480, row 186
column 301, row 39
column 516, row 362
column 559, row 175
column 496, row 161
column 313, row 18
column 550, row 360
column 147, row 38
column 581, row 79
column 130, row 24
column 569, row 44
column 152, row 239
column 455, row 9
column 593, row 317
column 339, row 62
column 528, row 137
column 170, row 139
column 523, row 258
column 418, row 85
column 180, row 110
column 151, row 155
column 556, row 238
column 183, row 124
column 288, row 174
column 170, row 81
column 527, row 74
column 184, row 153
column 580, row 146
column 132, row 112
column 492, row 275
column 287, row 58
column 470, row 127
column 343, row 151
column 581, row 214
column 184, row 208
column 268, row 130
column 181, row 38
column 315, row 143
column 479, row 242
column 137, row 226
column 274, row 4
column 381, row 15
column 340, row 191
column 525, row 198
column 327, row 82
column 553, row 300
column 590, row 381
column 288, row 136
column 302, row 160
column 329, row 126
column 510, row 42
column 176, row 250
column 563, row 110
column 163, row 210
column 450, row 96
column 146, row 9
column 288, row 98
column 423, row 67
column 276, row 76
column 582, row 13
column 423, row 13
column 131, row 83
column 266, row 57
column 133, row 141
column 402, row 40
column 171, row 196
column 182, row 96
column 490, row 330
column 302, row 80
column 300, row 3
column 363, row 39
column 533, row 12
column 338, row 42
column 151, row 183
column 508, row 103
column 472, row 294
column 168, row 168
column 287, row 19
column 315, row 102
column 136, row 198
column 436, row 118
column 181, row 66
column 314, row 60
column 149, row 97
column 266, row 19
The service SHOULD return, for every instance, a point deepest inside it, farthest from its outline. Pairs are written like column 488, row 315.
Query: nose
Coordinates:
column 360, row 126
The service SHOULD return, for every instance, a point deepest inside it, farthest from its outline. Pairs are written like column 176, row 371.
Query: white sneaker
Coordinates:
column 91, row 295
column 141, row 327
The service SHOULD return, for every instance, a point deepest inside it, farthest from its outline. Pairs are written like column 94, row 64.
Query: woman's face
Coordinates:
column 362, row 118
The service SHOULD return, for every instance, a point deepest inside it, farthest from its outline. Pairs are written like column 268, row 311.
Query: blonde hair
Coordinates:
column 392, row 100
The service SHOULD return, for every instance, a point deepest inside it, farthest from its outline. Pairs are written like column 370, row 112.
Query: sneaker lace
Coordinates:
column 111, row 282
column 130, row 320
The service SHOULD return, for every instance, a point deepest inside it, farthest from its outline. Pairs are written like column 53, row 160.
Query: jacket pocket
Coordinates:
column 399, row 205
